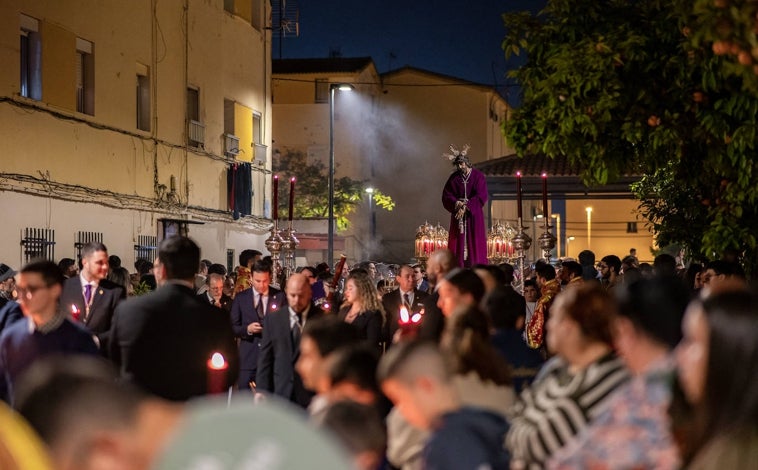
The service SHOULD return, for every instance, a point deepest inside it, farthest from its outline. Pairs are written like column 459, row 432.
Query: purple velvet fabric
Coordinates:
column 476, row 233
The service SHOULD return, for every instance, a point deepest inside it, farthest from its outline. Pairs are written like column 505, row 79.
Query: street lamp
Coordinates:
column 371, row 216
column 589, row 227
column 330, row 245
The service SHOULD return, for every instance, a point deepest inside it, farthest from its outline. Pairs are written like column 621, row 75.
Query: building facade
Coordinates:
column 122, row 121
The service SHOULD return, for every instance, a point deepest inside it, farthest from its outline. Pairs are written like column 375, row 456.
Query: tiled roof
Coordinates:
column 535, row 165
column 325, row 65
column 530, row 165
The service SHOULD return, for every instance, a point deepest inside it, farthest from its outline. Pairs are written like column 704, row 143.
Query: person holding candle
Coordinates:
column 162, row 341
column 464, row 196
column 406, row 295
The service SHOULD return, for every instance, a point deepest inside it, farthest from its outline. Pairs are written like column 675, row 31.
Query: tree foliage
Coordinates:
column 635, row 87
column 312, row 190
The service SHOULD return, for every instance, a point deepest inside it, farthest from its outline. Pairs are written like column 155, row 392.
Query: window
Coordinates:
column 143, row 98
column 85, row 77
column 256, row 15
column 196, row 137
column 38, row 243
column 31, row 58
column 322, row 90
column 257, row 130
column 229, row 6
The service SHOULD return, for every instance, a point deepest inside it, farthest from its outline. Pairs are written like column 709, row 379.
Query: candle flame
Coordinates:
column 273, row 307
column 326, row 306
column 292, row 179
column 74, row 309
column 544, row 175
column 416, row 318
column 404, row 317
column 518, row 173
column 276, row 177
column 217, row 360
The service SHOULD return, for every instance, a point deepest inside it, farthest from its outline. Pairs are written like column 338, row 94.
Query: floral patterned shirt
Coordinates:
column 632, row 432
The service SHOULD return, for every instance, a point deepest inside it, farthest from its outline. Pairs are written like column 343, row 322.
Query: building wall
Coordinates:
column 71, row 172
column 300, row 124
column 420, row 122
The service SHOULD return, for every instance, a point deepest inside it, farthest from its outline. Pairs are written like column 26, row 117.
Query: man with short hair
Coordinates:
column 7, row 283
column 201, row 276
column 164, row 340
column 406, row 295
column 280, row 343
column 247, row 259
column 587, row 260
column 91, row 298
column 214, row 293
column 418, row 277
column 610, row 272
column 571, row 274
column 718, row 271
column 249, row 308
column 68, row 266
column 531, row 295
column 415, row 377
column 47, row 330
column 439, row 264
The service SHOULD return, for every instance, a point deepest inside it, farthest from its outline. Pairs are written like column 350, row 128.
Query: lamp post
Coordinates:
column 557, row 218
column 371, row 217
column 589, row 227
column 330, row 242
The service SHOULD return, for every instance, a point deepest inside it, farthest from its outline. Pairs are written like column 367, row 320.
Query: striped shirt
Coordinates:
column 558, row 406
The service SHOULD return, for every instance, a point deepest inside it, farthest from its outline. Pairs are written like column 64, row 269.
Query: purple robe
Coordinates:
column 476, row 233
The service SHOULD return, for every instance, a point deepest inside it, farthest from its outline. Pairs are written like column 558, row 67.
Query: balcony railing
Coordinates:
column 196, row 133
column 231, row 145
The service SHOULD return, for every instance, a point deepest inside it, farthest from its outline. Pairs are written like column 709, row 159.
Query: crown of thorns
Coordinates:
column 457, row 156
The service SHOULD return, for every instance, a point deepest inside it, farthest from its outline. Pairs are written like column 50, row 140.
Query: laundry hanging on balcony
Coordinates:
column 239, row 185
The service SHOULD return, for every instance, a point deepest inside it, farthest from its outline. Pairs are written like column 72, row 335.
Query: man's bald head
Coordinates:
column 439, row 264
column 299, row 292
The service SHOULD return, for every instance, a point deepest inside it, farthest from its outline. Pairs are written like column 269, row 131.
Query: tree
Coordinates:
column 621, row 86
column 313, row 189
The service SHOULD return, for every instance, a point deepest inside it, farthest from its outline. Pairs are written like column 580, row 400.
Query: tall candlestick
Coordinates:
column 292, row 197
column 544, row 195
column 518, row 196
column 275, row 209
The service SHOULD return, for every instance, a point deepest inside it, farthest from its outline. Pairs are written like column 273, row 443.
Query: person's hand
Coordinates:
column 460, row 213
column 254, row 328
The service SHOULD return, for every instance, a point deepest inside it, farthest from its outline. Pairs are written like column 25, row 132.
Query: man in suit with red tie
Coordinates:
column 405, row 295
column 91, row 298
column 280, row 345
column 249, row 309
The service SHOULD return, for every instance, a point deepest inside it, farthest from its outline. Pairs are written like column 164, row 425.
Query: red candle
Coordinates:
column 275, row 210
column 518, row 195
column 544, row 195
column 217, row 368
column 75, row 313
column 292, row 197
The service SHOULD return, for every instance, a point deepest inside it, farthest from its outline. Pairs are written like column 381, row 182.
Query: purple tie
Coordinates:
column 87, row 293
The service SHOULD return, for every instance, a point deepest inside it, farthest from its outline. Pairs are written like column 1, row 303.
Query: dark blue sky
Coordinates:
column 454, row 37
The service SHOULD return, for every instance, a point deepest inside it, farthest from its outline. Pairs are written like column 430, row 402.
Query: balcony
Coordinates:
column 231, row 145
column 196, row 134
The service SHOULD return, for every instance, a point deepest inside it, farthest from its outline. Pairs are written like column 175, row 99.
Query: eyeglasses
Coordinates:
column 27, row 292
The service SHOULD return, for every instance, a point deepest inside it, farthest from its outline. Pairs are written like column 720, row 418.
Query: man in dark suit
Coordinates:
column 405, row 295
column 439, row 264
column 163, row 341
column 214, row 295
column 91, row 298
column 280, row 345
column 249, row 309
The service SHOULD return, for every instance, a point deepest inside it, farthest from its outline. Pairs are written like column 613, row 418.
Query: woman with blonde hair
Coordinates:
column 362, row 308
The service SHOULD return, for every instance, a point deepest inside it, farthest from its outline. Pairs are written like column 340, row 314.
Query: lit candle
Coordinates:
column 404, row 317
column 217, row 368
column 275, row 209
column 75, row 313
column 544, row 194
column 292, row 197
column 518, row 195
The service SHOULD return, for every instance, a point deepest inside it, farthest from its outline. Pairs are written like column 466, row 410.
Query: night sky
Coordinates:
column 454, row 37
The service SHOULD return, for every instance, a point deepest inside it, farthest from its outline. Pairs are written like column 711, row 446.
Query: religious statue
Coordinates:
column 464, row 196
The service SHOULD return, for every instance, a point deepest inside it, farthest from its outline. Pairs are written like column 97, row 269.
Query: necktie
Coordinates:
column 296, row 329
column 259, row 308
column 407, row 300
column 88, row 294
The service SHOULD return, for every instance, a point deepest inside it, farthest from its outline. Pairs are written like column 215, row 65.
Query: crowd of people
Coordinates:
column 608, row 365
